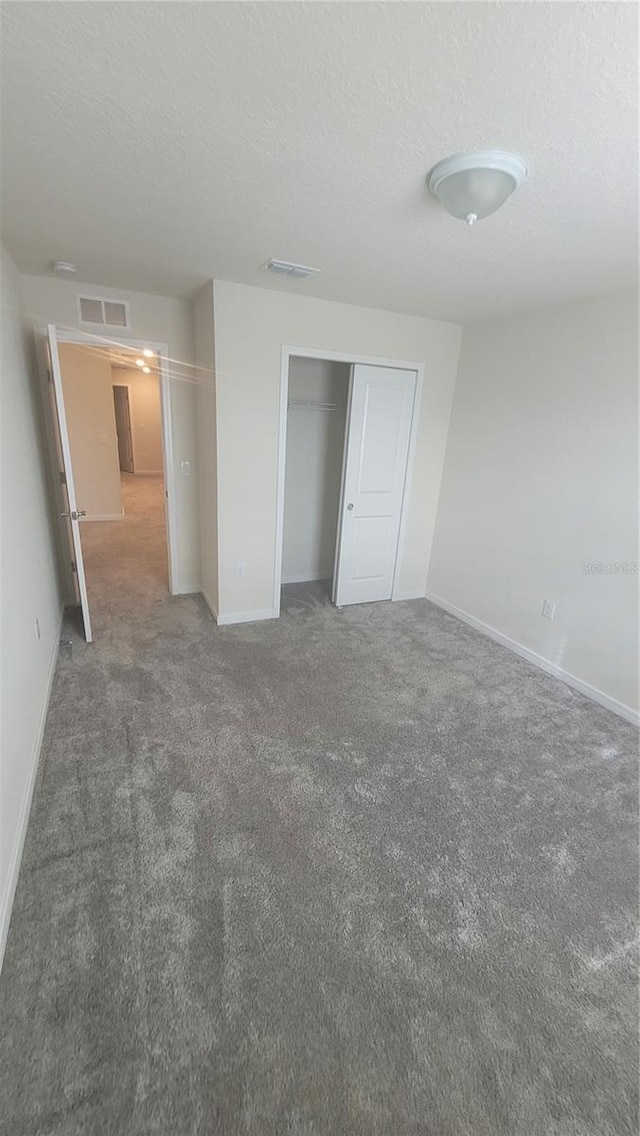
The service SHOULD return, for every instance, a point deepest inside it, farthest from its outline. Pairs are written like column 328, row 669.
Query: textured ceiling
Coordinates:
column 158, row 145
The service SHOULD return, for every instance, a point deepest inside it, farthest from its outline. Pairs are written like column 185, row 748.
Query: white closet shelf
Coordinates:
column 314, row 406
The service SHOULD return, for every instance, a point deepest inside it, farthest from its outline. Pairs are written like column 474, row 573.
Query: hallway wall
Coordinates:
column 91, row 422
column 29, row 587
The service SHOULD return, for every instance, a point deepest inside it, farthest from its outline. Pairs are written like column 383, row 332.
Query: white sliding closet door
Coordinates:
column 379, row 429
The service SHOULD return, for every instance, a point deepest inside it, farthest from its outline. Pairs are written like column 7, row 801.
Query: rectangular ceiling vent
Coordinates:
column 285, row 268
column 100, row 312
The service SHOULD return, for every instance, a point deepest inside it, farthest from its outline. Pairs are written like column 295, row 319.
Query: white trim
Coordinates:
column 228, row 618
column 65, row 335
column 338, row 357
column 146, row 472
column 209, row 602
column 186, row 590
column 567, row 677
column 419, row 595
column 307, row 577
column 103, row 517
column 6, row 904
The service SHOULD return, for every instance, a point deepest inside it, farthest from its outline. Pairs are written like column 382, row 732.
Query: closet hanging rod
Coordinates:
column 314, row 406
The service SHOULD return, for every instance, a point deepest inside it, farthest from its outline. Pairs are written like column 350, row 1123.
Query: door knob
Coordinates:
column 350, row 506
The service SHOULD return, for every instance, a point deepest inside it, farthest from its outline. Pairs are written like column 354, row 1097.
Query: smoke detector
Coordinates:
column 64, row 266
column 286, row 268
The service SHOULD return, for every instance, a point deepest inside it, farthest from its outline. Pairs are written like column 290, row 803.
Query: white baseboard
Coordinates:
column 186, row 590
column 6, row 904
column 408, row 596
column 307, row 577
column 226, row 618
column 570, row 679
column 209, row 602
column 148, row 472
column 103, row 517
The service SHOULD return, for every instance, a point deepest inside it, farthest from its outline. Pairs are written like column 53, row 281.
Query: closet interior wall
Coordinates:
column 316, row 421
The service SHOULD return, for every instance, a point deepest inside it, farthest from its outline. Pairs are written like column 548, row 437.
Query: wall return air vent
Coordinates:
column 293, row 271
column 97, row 311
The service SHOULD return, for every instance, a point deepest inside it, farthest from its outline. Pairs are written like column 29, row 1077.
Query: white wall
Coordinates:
column 88, row 404
column 251, row 325
column 541, row 480
column 203, row 316
column 313, row 474
column 161, row 320
column 29, row 588
column 146, row 416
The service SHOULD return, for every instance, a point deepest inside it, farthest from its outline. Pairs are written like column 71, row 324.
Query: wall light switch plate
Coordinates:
column 549, row 609
column 185, row 469
column 238, row 568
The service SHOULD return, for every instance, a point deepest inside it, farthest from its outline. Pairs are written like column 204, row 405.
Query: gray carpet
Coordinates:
column 358, row 873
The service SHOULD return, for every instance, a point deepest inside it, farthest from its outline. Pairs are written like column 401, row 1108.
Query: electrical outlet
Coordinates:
column 238, row 568
column 37, row 628
column 549, row 609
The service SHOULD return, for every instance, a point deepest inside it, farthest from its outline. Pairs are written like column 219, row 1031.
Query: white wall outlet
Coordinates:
column 238, row 568
column 549, row 609
column 185, row 469
column 37, row 629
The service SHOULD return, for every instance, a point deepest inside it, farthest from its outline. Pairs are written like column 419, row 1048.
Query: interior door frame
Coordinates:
column 352, row 358
column 86, row 339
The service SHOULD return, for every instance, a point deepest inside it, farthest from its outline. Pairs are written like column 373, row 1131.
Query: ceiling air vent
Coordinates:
column 99, row 312
column 285, row 268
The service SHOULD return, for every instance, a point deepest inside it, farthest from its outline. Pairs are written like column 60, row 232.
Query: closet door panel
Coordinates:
column 382, row 401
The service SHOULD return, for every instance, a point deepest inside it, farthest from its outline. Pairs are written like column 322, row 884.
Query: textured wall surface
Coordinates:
column 29, row 589
column 539, row 496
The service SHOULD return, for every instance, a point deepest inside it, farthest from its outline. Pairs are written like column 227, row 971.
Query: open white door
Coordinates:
column 70, row 513
column 377, row 450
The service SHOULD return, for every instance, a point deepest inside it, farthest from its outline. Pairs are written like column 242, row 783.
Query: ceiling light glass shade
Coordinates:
column 472, row 186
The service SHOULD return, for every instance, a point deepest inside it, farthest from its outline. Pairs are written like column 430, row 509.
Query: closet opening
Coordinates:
column 346, row 446
column 317, row 398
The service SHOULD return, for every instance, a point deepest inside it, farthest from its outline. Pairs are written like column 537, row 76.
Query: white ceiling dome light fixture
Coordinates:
column 65, row 267
column 472, row 186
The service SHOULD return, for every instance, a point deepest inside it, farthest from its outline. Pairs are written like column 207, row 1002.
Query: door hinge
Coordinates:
column 49, row 375
column 63, row 477
column 74, row 566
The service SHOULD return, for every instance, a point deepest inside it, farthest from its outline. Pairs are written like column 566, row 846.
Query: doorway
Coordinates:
column 111, row 432
column 123, row 427
column 348, row 431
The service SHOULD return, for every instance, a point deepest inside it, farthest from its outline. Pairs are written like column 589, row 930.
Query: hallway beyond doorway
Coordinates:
column 126, row 561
